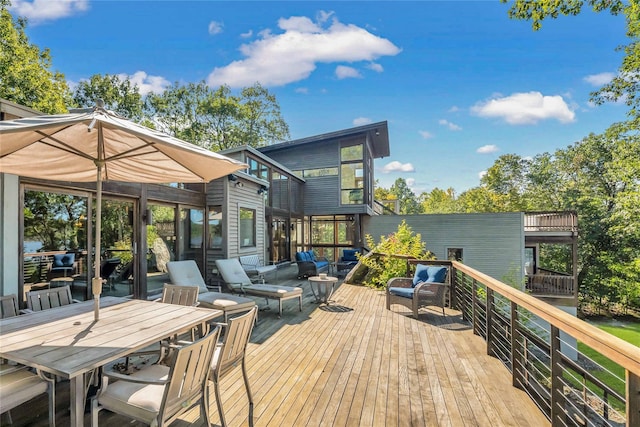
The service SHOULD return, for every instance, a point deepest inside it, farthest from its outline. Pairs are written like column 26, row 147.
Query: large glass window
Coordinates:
column 247, row 227
column 215, row 227
column 258, row 169
column 351, row 175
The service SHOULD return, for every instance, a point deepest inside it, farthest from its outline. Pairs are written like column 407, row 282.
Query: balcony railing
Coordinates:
column 551, row 221
column 543, row 348
column 556, row 285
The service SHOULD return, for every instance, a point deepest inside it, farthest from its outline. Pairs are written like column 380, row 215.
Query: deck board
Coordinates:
column 354, row 363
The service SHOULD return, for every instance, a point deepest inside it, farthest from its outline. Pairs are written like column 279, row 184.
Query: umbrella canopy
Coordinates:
column 99, row 145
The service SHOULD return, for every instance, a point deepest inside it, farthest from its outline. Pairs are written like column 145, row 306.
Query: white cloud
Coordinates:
column 453, row 109
column 425, row 134
column 302, row 90
column 396, row 166
column 361, row 121
column 481, row 174
column 410, row 182
column 599, row 79
column 46, row 10
column 451, row 126
column 525, row 108
column 487, row 149
column 215, row 27
column 344, row 72
column 375, row 67
column 247, row 35
column 146, row 83
column 292, row 55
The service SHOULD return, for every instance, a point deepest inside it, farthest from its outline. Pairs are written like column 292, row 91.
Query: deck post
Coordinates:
column 633, row 399
column 489, row 321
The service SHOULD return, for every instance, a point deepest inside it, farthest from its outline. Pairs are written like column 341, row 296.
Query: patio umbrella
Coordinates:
column 99, row 145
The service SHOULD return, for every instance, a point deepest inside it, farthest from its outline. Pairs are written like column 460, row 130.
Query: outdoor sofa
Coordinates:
column 310, row 265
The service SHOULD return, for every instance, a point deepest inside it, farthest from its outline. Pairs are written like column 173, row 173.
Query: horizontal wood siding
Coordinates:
column 492, row 243
column 247, row 197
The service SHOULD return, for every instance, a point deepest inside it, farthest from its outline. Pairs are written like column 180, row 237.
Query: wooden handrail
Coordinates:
column 621, row 352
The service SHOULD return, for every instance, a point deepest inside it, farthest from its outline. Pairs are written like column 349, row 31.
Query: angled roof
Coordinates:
column 378, row 134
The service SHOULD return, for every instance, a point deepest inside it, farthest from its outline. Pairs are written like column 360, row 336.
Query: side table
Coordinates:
column 61, row 281
column 323, row 292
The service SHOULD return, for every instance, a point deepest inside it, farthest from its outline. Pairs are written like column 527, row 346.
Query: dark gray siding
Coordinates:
column 492, row 243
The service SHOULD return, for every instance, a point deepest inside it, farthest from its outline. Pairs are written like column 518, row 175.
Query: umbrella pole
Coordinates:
column 96, row 283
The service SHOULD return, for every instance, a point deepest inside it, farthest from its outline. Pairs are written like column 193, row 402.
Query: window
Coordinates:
column 351, row 175
column 215, row 227
column 247, row 227
column 313, row 173
column 257, row 169
column 196, row 233
column 454, row 254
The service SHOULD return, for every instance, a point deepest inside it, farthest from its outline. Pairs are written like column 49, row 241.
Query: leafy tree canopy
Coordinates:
column 25, row 70
column 118, row 94
column 217, row 119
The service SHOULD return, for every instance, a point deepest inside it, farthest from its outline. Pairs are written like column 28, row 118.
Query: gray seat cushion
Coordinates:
column 18, row 386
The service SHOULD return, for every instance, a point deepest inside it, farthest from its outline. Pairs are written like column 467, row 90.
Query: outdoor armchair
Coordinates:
column 19, row 385
column 428, row 287
column 253, row 266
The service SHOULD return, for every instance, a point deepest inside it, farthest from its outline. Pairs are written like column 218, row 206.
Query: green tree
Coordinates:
column 624, row 86
column 507, row 177
column 383, row 265
column 439, row 201
column 118, row 94
column 25, row 70
column 217, row 119
column 408, row 201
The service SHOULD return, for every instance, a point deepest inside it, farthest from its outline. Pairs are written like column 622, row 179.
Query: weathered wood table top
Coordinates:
column 66, row 341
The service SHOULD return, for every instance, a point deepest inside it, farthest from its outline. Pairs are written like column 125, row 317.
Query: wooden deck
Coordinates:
column 355, row 363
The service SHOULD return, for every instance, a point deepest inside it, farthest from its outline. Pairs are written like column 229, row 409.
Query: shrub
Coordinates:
column 390, row 254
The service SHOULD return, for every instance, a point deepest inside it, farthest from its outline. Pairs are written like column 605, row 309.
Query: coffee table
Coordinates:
column 323, row 292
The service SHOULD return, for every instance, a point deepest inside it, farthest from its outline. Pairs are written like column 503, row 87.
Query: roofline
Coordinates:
column 378, row 131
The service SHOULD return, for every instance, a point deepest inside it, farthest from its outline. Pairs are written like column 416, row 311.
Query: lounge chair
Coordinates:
column 186, row 273
column 236, row 278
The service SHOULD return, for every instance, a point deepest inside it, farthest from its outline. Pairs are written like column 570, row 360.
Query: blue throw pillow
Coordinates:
column 299, row 256
column 437, row 274
column 421, row 275
column 312, row 255
column 349, row 255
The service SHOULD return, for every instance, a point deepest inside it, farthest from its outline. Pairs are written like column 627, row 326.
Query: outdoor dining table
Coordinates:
column 68, row 342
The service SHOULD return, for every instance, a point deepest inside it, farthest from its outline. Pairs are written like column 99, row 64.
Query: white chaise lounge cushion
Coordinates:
column 186, row 273
column 236, row 277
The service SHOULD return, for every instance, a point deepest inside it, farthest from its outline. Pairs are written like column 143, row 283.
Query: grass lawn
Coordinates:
column 628, row 331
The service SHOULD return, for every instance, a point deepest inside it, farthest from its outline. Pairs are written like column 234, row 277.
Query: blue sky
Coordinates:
column 458, row 82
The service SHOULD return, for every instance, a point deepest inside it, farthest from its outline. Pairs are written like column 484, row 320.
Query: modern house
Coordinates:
column 311, row 193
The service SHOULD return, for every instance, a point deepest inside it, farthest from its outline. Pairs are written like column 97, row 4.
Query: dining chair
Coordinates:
column 230, row 354
column 8, row 306
column 45, row 299
column 19, row 385
column 158, row 394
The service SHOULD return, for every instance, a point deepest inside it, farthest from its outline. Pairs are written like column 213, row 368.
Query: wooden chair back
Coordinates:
column 180, row 295
column 234, row 346
column 49, row 298
column 8, row 306
column 188, row 377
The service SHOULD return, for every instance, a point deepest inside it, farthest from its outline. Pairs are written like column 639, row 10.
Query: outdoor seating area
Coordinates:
column 309, row 264
column 386, row 367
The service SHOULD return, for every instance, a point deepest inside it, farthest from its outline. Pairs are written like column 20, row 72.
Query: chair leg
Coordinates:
column 216, row 387
column 280, row 307
column 300, row 302
column 204, row 407
column 249, row 395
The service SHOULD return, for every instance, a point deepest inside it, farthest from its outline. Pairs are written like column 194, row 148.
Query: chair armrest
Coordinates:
column 129, row 378
column 26, row 311
column 75, row 300
column 400, row 282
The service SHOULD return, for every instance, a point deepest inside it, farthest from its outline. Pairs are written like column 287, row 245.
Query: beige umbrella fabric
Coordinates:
column 99, row 145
